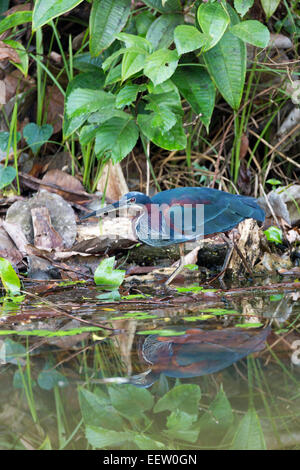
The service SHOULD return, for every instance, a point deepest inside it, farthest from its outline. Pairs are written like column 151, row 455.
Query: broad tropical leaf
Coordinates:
column 161, row 65
column 161, row 31
column 213, row 19
column 188, row 38
column 269, row 7
column 107, row 18
column 242, row 6
column 174, row 139
column 226, row 63
column 164, row 6
column 196, row 86
column 46, row 10
column 253, row 32
column 116, row 138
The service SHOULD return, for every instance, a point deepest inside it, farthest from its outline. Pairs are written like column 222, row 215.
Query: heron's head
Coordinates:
column 132, row 199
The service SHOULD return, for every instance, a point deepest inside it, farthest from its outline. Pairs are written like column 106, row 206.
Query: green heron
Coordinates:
column 183, row 215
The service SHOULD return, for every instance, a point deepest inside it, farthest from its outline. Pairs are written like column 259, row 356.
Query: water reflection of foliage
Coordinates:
column 246, row 406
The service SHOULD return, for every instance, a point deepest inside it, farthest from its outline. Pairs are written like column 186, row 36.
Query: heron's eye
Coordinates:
column 132, row 200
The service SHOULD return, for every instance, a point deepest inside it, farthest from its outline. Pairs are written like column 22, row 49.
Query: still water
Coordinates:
column 146, row 368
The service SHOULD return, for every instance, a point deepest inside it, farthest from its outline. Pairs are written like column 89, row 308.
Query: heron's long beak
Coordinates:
column 105, row 210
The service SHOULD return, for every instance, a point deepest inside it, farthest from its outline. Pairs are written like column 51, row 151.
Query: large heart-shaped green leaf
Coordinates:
column 36, row 136
column 7, row 175
column 107, row 18
column 4, row 140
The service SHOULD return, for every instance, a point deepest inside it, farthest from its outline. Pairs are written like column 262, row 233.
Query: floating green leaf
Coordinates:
column 49, row 333
column 192, row 267
column 9, row 278
column 135, row 296
column 198, row 317
column 162, row 332
column 249, row 325
column 106, row 275
column 276, row 297
column 111, row 296
column 36, row 136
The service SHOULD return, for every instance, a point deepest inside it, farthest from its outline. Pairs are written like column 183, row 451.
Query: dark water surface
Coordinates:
column 163, row 370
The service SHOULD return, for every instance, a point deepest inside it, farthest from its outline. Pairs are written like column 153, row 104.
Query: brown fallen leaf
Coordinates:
column 66, row 182
column 55, row 108
column 8, row 249
column 45, row 236
column 113, row 182
column 7, row 52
